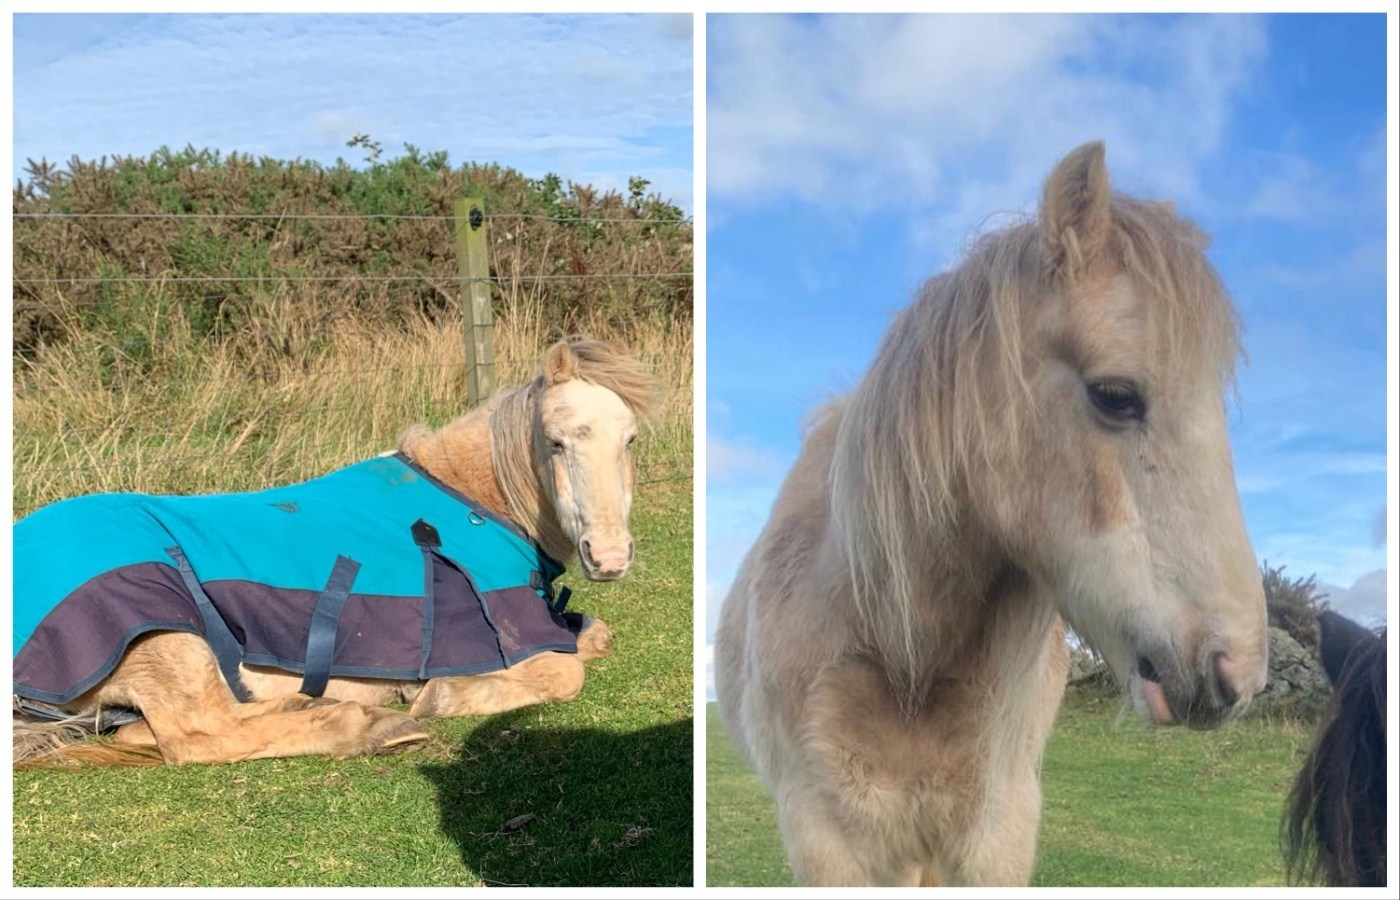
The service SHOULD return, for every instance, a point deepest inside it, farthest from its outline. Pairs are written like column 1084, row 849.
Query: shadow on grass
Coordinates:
column 606, row 808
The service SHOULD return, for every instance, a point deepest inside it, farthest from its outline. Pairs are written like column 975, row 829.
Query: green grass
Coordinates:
column 606, row 777
column 1124, row 804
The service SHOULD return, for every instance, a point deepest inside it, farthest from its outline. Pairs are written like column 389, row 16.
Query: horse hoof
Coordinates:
column 396, row 733
column 594, row 639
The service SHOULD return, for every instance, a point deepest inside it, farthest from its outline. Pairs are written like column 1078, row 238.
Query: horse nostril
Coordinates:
column 631, row 548
column 585, row 550
column 1147, row 670
column 1229, row 695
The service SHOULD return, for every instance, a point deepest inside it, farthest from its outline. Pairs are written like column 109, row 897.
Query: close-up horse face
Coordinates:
column 584, row 447
column 1148, row 552
column 1155, row 567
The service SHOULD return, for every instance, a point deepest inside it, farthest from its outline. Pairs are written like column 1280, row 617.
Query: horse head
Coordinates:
column 584, row 412
column 1127, row 353
column 1053, row 409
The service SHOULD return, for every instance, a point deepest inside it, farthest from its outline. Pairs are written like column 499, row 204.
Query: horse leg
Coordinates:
column 263, row 682
column 135, row 734
column 819, row 851
column 174, row 680
column 1000, row 850
column 594, row 639
column 930, row 875
column 543, row 678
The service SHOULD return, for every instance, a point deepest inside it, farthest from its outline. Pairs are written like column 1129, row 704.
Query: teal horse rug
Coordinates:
column 377, row 570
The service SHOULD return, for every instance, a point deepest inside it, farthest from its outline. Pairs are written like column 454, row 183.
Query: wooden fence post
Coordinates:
column 469, row 233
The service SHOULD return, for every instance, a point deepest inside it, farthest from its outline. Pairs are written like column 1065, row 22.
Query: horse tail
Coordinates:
column 61, row 743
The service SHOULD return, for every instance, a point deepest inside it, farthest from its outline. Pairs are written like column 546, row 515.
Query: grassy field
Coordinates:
column 606, row 780
column 1125, row 805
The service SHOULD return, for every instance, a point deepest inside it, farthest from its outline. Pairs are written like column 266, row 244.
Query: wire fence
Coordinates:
column 292, row 279
column 291, row 217
column 646, row 476
column 57, row 448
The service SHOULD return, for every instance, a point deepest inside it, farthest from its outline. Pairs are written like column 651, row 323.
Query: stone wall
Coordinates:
column 1297, row 684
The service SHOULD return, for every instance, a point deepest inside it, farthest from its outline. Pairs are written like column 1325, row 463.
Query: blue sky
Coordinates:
column 850, row 158
column 593, row 98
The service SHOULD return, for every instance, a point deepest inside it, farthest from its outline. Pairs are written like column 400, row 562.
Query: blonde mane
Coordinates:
column 948, row 390
column 610, row 366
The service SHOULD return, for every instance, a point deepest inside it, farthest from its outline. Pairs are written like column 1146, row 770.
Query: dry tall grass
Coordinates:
column 297, row 392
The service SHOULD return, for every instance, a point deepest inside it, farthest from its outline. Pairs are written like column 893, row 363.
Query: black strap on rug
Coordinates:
column 325, row 622
column 226, row 648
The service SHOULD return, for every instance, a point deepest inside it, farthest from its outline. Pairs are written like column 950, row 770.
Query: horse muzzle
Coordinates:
column 1201, row 694
column 605, row 560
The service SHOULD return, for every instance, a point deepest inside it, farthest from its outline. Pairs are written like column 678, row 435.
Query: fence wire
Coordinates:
column 291, row 217
column 650, row 469
column 647, row 472
column 278, row 277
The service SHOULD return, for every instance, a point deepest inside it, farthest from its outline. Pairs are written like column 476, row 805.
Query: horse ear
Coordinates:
column 560, row 364
column 1074, row 211
column 1339, row 637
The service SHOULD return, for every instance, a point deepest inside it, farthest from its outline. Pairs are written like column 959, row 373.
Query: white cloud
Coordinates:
column 539, row 93
column 1363, row 602
column 335, row 127
column 1310, row 192
column 1281, row 469
column 1363, row 260
column 871, row 112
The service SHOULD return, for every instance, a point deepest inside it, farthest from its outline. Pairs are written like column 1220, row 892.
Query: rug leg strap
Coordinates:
column 226, row 648
column 325, row 622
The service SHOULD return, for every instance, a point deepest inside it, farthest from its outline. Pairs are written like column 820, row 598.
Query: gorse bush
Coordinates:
column 217, row 234
column 1293, row 604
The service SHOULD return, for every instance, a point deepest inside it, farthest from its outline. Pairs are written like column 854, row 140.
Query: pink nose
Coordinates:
column 608, row 557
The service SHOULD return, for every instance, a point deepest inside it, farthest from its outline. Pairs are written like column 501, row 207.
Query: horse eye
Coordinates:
column 1118, row 400
column 556, row 447
column 632, row 440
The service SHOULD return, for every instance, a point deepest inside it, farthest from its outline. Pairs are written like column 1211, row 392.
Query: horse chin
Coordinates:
column 593, row 573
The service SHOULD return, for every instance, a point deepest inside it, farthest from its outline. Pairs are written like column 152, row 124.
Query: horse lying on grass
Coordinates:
column 1041, row 436
column 1334, row 828
column 278, row 623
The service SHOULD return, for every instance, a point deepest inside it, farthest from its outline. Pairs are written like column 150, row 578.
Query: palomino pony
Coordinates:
column 440, row 559
column 1334, row 828
column 1041, row 437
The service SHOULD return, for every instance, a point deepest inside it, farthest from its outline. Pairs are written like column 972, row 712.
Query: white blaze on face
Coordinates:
column 588, row 432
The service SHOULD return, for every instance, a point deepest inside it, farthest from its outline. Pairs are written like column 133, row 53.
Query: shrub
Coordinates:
column 1293, row 604
column 374, row 240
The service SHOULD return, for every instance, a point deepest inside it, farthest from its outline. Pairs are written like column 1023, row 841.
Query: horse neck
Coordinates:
column 459, row 455
column 973, row 614
column 462, row 454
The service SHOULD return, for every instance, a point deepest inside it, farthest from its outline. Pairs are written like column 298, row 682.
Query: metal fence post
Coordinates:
column 469, row 234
